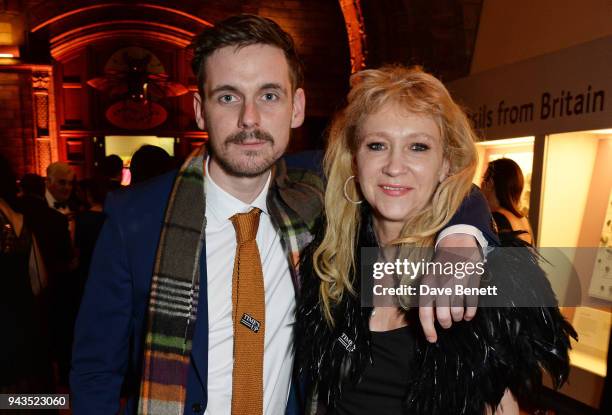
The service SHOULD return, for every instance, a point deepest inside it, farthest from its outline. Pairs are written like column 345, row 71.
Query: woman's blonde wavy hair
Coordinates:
column 417, row 92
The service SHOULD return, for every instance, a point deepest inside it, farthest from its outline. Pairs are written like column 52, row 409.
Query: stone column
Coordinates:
column 45, row 131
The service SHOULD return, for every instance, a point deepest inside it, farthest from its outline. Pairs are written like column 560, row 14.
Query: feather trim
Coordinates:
column 471, row 364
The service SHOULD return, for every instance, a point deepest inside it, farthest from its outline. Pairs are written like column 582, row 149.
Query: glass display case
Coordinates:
column 572, row 213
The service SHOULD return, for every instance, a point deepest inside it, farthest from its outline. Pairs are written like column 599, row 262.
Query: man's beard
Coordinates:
column 251, row 168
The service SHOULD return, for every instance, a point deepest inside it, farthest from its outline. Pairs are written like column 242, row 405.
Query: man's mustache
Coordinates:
column 241, row 136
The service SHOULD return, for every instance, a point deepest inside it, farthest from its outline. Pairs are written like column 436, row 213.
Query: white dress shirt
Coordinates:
column 279, row 308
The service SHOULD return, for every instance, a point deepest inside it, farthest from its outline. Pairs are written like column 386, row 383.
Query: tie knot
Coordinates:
column 246, row 225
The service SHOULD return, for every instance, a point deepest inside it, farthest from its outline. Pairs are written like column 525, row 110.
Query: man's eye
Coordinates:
column 270, row 97
column 376, row 146
column 419, row 147
column 226, row 99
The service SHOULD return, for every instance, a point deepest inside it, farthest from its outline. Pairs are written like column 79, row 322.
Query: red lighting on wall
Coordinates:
column 353, row 19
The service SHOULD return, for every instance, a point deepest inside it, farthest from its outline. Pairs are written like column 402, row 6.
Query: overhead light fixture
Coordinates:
column 508, row 141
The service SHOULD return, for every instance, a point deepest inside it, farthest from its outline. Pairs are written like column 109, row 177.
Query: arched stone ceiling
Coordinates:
column 334, row 39
column 316, row 25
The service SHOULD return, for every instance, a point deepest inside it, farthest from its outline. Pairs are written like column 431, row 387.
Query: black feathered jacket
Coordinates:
column 471, row 364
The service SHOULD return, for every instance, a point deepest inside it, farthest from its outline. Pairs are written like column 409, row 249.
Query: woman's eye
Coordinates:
column 376, row 146
column 226, row 99
column 419, row 147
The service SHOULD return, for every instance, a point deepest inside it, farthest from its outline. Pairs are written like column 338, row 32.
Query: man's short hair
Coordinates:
column 240, row 31
column 58, row 167
column 111, row 166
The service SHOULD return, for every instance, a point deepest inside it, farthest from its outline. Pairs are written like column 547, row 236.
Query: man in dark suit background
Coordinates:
column 60, row 182
column 52, row 233
column 49, row 225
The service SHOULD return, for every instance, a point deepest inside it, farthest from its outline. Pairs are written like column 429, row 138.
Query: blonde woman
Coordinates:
column 399, row 163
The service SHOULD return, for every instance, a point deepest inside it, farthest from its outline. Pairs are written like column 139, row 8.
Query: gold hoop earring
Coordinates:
column 346, row 196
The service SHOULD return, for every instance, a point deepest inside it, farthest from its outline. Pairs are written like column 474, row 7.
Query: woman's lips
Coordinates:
column 394, row 190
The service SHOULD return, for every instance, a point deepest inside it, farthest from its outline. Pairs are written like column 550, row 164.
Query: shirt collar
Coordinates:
column 223, row 205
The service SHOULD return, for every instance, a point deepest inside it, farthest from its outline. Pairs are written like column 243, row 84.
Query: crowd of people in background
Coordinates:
column 48, row 231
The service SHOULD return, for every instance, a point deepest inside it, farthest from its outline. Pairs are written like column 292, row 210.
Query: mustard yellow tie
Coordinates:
column 248, row 313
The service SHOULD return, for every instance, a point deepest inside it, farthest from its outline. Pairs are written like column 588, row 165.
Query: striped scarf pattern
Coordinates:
column 174, row 295
column 295, row 202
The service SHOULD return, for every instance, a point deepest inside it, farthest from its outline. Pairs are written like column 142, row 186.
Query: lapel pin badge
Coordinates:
column 348, row 344
column 250, row 323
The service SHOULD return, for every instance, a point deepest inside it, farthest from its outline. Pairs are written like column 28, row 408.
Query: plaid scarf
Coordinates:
column 295, row 201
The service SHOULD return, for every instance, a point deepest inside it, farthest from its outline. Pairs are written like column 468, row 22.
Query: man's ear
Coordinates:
column 299, row 108
column 198, row 108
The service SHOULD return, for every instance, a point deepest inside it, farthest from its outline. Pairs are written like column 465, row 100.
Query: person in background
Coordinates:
column 111, row 169
column 69, row 291
column 149, row 161
column 48, row 224
column 502, row 185
column 88, row 223
column 25, row 365
column 32, row 185
column 61, row 197
column 60, row 182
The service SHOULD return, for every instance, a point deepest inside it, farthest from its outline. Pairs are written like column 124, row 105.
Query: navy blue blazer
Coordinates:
column 108, row 341
column 110, row 326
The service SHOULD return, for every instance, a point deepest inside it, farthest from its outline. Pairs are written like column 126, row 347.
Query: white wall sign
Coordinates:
column 568, row 90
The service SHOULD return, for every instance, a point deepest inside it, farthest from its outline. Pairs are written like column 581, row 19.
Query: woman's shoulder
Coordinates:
column 11, row 218
column 502, row 221
column 507, row 221
column 508, row 216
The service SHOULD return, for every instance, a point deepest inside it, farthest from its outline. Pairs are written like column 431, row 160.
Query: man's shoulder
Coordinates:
column 37, row 210
column 305, row 168
column 306, row 177
column 300, row 192
column 151, row 195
